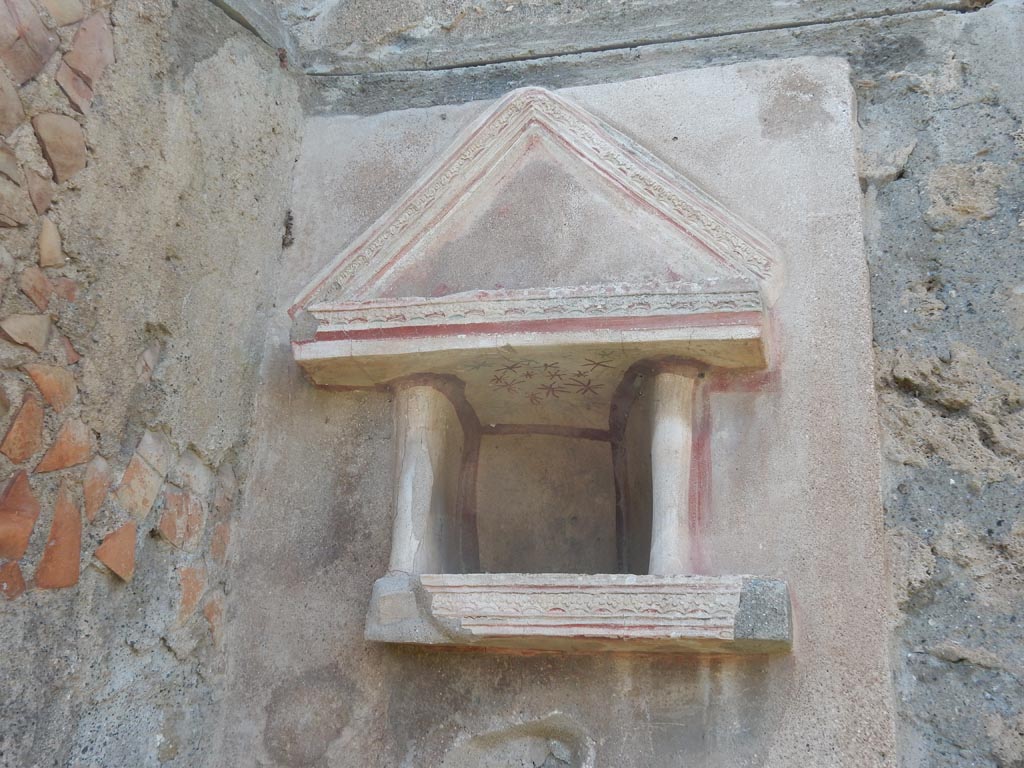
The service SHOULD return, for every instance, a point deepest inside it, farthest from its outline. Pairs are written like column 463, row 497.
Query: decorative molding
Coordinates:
column 483, row 307
column 553, row 611
column 486, row 146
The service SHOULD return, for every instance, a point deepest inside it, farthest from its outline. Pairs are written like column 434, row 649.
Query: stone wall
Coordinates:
column 135, row 305
column 146, row 144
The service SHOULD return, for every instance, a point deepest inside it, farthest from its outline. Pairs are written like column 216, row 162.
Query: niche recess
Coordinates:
column 544, row 469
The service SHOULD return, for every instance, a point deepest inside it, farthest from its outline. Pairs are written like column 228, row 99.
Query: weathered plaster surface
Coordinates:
column 87, row 679
column 776, row 453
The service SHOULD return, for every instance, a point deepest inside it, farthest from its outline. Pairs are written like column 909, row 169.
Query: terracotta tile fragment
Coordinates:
column 117, row 551
column 65, row 12
column 193, row 584
column 12, row 114
column 55, row 383
column 19, row 510
column 95, row 486
column 63, row 144
column 75, row 88
column 25, row 42
column 62, row 555
column 156, row 449
column 183, row 519
column 219, row 541
column 15, row 206
column 73, row 446
column 25, row 435
column 12, row 583
column 40, row 191
column 214, row 613
column 69, row 351
column 139, row 487
column 50, row 252
column 92, row 49
column 9, row 164
column 35, row 284
column 65, row 287
column 28, row 330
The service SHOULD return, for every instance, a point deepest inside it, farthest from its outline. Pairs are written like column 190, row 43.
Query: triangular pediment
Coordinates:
column 540, row 194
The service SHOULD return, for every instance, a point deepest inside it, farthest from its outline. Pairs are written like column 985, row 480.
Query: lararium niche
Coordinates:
column 547, row 304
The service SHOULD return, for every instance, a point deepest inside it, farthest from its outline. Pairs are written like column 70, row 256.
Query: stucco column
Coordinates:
column 671, row 448
column 427, row 439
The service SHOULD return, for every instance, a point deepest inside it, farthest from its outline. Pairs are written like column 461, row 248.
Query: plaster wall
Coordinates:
column 789, row 498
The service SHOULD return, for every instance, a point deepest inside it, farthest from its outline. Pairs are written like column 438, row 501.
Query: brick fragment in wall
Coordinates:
column 12, row 583
column 70, row 354
column 92, row 49
column 183, row 519
column 65, row 12
column 62, row 142
column 73, row 445
column 192, row 579
column 31, row 331
column 59, row 565
column 50, row 252
column 19, row 510
column 139, row 487
column 75, row 88
column 12, row 113
column 213, row 611
column 95, row 486
column 56, row 384
column 25, row 42
column 40, row 191
column 65, row 288
column 15, row 206
column 117, row 551
column 220, row 539
column 9, row 164
column 25, row 435
column 34, row 283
